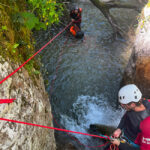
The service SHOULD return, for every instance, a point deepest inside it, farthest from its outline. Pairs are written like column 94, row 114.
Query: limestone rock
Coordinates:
column 31, row 105
column 138, row 69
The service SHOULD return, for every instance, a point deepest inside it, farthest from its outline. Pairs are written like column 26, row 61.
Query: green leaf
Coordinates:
column 30, row 20
column 47, row 12
column 4, row 28
column 15, row 45
column 36, row 72
column 13, row 50
column 40, row 25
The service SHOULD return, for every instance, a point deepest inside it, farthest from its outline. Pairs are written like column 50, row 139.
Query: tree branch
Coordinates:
column 104, row 7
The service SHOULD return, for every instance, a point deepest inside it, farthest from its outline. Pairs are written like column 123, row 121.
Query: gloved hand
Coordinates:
column 72, row 20
column 115, row 141
column 117, row 133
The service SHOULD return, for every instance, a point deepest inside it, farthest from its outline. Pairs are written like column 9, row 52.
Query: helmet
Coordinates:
column 74, row 7
column 129, row 93
column 80, row 9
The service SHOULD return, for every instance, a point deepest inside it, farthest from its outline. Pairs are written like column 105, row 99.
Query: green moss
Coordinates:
column 16, row 43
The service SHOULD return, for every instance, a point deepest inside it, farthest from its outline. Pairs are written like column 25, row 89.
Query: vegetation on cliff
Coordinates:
column 17, row 20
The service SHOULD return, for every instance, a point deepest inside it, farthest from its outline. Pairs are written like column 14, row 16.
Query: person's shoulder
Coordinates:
column 146, row 103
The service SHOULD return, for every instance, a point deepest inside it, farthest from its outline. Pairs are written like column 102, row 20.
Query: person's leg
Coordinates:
column 79, row 25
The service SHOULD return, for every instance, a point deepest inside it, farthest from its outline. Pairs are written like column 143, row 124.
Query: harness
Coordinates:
column 124, row 139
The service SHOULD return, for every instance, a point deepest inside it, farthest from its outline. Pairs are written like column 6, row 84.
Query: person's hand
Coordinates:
column 115, row 141
column 117, row 133
column 72, row 20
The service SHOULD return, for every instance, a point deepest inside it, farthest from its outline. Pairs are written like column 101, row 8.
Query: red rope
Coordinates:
column 36, row 53
column 7, row 100
column 58, row 129
column 51, row 91
column 82, row 143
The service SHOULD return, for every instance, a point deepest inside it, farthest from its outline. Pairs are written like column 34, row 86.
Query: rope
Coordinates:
column 102, row 136
column 113, row 147
column 63, row 130
column 51, row 91
column 37, row 125
column 36, row 53
column 2, row 101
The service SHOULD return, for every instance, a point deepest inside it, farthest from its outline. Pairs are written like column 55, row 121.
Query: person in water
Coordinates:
column 143, row 138
column 137, row 109
column 75, row 29
column 75, row 14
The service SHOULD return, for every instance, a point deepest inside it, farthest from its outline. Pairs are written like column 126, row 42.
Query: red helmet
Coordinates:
column 80, row 9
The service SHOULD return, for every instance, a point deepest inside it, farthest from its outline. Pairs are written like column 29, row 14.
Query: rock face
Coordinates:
column 31, row 105
column 138, row 69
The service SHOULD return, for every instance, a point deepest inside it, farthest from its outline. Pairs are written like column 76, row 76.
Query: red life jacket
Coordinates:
column 143, row 138
column 74, row 29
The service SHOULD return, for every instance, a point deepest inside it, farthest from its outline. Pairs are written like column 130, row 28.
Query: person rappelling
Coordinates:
column 137, row 109
column 75, row 15
column 142, row 139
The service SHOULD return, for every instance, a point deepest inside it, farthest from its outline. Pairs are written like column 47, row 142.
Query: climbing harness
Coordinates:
column 113, row 147
column 125, row 139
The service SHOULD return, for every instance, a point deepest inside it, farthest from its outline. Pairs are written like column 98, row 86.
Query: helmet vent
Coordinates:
column 135, row 97
column 120, row 97
column 123, row 97
column 134, row 92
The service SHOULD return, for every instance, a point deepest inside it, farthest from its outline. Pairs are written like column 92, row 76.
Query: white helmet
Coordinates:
column 129, row 93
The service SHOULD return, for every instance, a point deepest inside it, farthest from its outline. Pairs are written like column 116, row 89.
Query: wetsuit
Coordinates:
column 125, row 146
column 76, row 17
column 130, row 122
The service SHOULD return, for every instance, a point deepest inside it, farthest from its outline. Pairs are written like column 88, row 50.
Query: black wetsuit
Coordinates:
column 76, row 17
column 130, row 122
column 125, row 146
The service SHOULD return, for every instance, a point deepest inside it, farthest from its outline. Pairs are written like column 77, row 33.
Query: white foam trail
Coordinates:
column 91, row 110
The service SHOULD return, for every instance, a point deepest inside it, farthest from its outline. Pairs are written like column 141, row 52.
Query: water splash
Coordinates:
column 91, row 110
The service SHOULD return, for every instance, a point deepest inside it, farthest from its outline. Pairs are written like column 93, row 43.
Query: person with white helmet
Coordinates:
column 143, row 138
column 137, row 109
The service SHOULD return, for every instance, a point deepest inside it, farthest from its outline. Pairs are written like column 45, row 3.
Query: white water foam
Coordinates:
column 91, row 110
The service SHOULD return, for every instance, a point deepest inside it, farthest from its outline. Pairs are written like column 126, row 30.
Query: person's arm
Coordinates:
column 118, row 131
column 122, row 121
column 125, row 146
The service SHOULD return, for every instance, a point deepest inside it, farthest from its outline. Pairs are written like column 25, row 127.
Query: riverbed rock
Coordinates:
column 138, row 68
column 31, row 105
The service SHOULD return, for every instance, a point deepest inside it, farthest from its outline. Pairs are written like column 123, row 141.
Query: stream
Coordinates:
column 90, row 71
